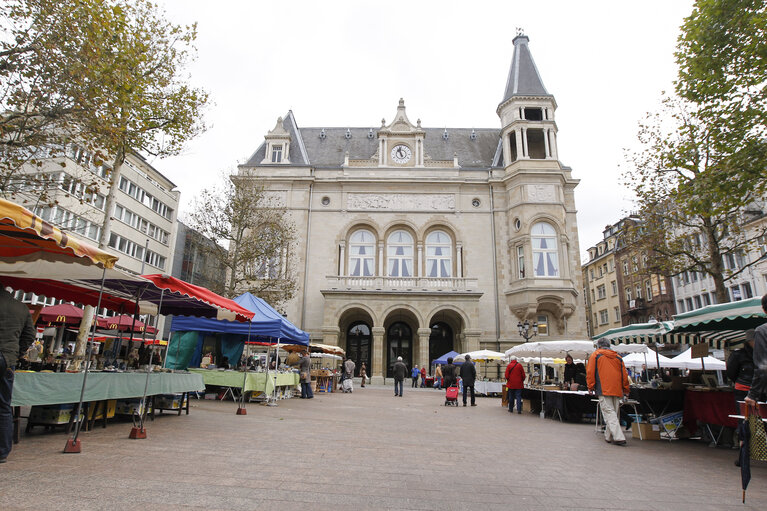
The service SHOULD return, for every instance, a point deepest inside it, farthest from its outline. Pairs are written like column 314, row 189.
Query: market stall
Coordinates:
column 37, row 257
column 256, row 384
column 575, row 348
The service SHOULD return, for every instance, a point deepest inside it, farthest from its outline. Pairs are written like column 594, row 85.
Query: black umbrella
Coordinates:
column 744, row 433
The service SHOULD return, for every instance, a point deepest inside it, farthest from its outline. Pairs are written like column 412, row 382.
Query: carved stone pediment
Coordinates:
column 401, row 124
column 401, row 201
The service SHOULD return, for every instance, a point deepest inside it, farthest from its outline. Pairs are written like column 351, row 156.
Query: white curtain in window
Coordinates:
column 362, row 254
column 439, row 255
column 399, row 251
column 545, row 253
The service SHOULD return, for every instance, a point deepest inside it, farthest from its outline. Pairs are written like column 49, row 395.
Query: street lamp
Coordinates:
column 524, row 330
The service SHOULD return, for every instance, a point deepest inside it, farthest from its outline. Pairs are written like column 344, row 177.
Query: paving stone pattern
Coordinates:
column 369, row 450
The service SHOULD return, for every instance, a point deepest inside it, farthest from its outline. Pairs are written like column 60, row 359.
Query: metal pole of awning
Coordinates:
column 138, row 432
column 273, row 401
column 73, row 444
column 240, row 403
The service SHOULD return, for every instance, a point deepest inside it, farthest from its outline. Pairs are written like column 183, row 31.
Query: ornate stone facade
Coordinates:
column 416, row 241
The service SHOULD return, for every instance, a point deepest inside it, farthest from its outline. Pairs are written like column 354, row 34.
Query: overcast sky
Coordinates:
column 347, row 63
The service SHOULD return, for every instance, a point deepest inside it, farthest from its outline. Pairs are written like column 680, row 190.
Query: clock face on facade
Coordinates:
column 401, row 154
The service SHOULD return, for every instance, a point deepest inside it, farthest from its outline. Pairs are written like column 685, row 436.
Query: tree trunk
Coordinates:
column 715, row 269
column 106, row 227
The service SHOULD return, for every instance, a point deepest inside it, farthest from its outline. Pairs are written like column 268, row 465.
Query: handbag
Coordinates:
column 758, row 435
column 304, row 375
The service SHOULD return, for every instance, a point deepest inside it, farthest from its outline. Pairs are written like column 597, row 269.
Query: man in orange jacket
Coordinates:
column 606, row 375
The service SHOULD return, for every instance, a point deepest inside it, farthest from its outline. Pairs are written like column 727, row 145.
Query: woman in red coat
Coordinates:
column 515, row 382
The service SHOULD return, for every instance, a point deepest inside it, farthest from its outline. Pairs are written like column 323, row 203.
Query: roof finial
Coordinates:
column 520, row 31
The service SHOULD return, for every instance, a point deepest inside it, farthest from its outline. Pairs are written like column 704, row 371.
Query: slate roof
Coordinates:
column 524, row 79
column 331, row 150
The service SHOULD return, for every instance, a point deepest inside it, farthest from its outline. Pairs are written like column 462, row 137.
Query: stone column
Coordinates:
column 520, row 150
column 525, row 152
column 507, row 147
column 381, row 259
column 377, row 373
column 471, row 337
column 459, row 260
column 423, row 348
column 546, row 143
column 342, row 261
column 553, row 144
column 419, row 261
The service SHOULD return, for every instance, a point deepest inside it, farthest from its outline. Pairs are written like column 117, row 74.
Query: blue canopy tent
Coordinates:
column 267, row 326
column 443, row 359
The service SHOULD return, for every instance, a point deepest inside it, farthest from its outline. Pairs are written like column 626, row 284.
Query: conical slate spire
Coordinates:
column 524, row 79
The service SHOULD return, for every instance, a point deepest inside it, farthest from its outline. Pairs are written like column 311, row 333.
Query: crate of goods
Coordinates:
column 52, row 414
column 669, row 423
column 132, row 407
column 648, row 431
column 96, row 410
column 170, row 401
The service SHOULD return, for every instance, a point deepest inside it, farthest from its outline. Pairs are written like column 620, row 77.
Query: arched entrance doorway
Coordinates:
column 399, row 343
column 440, row 340
column 358, row 343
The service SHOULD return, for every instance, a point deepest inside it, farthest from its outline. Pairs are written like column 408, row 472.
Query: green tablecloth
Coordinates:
column 58, row 388
column 253, row 381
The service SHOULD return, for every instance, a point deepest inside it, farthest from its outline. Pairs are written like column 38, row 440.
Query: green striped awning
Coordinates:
column 639, row 333
column 740, row 315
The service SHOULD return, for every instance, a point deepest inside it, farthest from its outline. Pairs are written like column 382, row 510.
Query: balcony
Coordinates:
column 402, row 284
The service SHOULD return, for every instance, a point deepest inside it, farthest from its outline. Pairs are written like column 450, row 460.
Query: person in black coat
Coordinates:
column 468, row 376
column 448, row 374
column 740, row 367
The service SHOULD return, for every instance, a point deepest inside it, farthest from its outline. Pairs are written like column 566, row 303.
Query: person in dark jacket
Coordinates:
column 740, row 367
column 399, row 370
column 448, row 374
column 468, row 375
column 305, row 369
column 16, row 335
column 759, row 381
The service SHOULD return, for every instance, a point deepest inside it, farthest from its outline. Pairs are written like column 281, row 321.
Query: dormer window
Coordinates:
column 277, row 145
column 277, row 153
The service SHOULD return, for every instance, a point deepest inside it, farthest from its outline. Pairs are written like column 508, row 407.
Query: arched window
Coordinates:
column 439, row 255
column 399, row 252
column 362, row 246
column 545, row 254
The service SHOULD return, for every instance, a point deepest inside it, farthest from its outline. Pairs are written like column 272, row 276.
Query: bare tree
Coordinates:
column 253, row 238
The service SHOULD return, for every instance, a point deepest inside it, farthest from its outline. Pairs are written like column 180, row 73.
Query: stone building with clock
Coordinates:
column 414, row 241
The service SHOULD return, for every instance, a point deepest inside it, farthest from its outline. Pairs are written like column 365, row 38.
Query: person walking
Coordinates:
column 468, row 375
column 305, row 370
column 606, row 376
column 423, row 377
column 740, row 371
column 363, row 374
column 515, row 382
column 399, row 370
column 759, row 381
column 448, row 373
column 414, row 374
column 16, row 335
column 438, row 376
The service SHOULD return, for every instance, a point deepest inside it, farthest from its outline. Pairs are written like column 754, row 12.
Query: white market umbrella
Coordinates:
column 483, row 355
column 636, row 360
column 631, row 348
column 709, row 363
column 554, row 349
